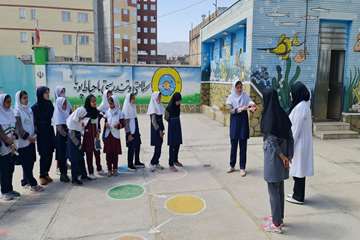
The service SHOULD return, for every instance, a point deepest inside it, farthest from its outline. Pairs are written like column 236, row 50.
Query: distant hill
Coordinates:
column 173, row 49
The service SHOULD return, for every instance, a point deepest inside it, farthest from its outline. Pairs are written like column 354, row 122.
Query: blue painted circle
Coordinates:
column 167, row 85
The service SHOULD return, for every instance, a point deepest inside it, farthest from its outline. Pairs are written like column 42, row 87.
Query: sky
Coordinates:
column 175, row 26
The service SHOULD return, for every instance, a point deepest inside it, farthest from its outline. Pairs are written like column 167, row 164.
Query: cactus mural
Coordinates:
column 352, row 92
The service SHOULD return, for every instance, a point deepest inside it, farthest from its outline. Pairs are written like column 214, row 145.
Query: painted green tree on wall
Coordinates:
column 352, row 91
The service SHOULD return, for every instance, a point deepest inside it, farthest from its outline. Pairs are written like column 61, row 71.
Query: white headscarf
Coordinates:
column 104, row 106
column 236, row 100
column 74, row 121
column 59, row 93
column 129, row 109
column 7, row 116
column 60, row 115
column 113, row 117
column 25, row 113
column 154, row 106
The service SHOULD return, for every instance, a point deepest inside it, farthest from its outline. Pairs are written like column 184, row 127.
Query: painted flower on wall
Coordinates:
column 357, row 44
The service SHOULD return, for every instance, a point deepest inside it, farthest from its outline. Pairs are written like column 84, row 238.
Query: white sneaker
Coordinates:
column 231, row 170
column 289, row 195
column 92, row 177
column 294, row 201
column 272, row 228
column 243, row 173
column 152, row 168
column 102, row 173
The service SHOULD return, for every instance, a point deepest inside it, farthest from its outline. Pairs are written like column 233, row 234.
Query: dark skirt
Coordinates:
column 61, row 147
column 112, row 145
column 156, row 140
column 174, row 132
column 89, row 138
column 136, row 135
column 239, row 126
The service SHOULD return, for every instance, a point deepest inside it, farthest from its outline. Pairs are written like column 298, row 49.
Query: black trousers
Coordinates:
column 45, row 163
column 243, row 153
column 277, row 201
column 61, row 153
column 133, row 152
column 7, row 167
column 157, row 154
column 28, row 158
column 299, row 189
column 77, row 160
column 173, row 154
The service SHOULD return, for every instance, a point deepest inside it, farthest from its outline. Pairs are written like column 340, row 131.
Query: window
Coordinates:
column 23, row 37
column 145, row 41
column 117, row 36
column 67, row 39
column 146, row 7
column 233, row 42
column 146, row 18
column 153, row 30
column 139, row 41
column 138, row 6
column 139, row 29
column 153, row 41
column 145, row 29
column 125, row 11
column 22, row 13
column 117, row 10
column 117, row 23
column 153, row 19
column 33, row 14
column 153, row 52
column 126, row 49
column 153, row 7
column 139, row 18
column 84, row 40
column 133, row 1
column 66, row 16
column 83, row 17
column 126, row 37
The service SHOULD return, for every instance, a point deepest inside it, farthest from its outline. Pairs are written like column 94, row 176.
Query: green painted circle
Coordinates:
column 126, row 192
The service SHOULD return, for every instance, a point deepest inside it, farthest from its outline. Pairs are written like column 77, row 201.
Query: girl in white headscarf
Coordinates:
column 61, row 113
column 26, row 143
column 76, row 123
column 239, row 103
column 8, row 148
column 104, row 105
column 133, row 137
column 156, row 112
column 112, row 143
column 60, row 91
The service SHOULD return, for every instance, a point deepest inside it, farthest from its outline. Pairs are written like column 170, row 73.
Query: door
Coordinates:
column 336, row 79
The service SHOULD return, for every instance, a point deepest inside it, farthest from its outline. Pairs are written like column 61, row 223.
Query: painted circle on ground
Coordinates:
column 167, row 81
column 126, row 192
column 167, row 175
column 185, row 205
column 130, row 237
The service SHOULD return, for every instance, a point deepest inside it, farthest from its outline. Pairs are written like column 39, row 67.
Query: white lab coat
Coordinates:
column 303, row 160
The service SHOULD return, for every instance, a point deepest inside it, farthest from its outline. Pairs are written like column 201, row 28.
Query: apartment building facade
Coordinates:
column 66, row 26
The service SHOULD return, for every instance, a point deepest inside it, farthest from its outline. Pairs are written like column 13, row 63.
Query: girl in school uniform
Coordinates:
column 172, row 115
column 112, row 144
column 75, row 124
column 26, row 143
column 302, row 164
column 91, row 137
column 156, row 112
column 8, row 148
column 278, row 152
column 43, row 111
column 239, row 103
column 61, row 113
column 104, row 106
column 133, row 137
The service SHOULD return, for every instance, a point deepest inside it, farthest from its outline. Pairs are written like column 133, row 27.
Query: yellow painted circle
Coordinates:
column 185, row 205
column 167, row 81
column 130, row 237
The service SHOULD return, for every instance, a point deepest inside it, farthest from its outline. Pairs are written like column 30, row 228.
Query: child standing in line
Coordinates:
column 43, row 111
column 75, row 123
column 26, row 143
column 112, row 143
column 104, row 106
column 172, row 115
column 278, row 152
column 91, row 137
column 7, row 148
column 133, row 137
column 61, row 113
column 156, row 112
column 239, row 103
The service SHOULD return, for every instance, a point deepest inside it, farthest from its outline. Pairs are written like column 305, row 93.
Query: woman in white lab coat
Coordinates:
column 302, row 165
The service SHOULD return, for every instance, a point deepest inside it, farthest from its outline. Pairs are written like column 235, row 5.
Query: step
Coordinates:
column 331, row 126
column 341, row 134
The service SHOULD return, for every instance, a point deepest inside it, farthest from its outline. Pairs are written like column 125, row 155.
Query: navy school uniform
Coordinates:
column 174, row 139
column 156, row 140
column 76, row 155
column 61, row 147
column 134, row 145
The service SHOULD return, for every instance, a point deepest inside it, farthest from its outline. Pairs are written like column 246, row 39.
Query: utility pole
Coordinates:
column 77, row 47
column 216, row 7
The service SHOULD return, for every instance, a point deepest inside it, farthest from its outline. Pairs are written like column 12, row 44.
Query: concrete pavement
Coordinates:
column 233, row 209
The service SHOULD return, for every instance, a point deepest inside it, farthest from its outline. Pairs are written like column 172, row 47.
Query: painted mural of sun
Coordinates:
column 166, row 85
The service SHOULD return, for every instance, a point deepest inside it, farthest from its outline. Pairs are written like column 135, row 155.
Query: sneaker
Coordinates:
column 86, row 178
column 64, row 178
column 43, row 181
column 290, row 195
column 58, row 171
column 178, row 164
column 268, row 220
column 131, row 168
column 231, row 170
column 159, row 167
column 49, row 179
column 242, row 173
column 173, row 169
column 77, row 182
column 15, row 194
column 152, row 168
column 26, row 187
column 102, row 173
column 294, row 201
column 139, row 165
column 272, row 228
column 36, row 188
column 7, row 197
column 92, row 177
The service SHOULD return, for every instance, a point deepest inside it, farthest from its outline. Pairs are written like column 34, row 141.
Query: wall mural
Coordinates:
column 352, row 92
column 284, row 46
column 357, row 44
